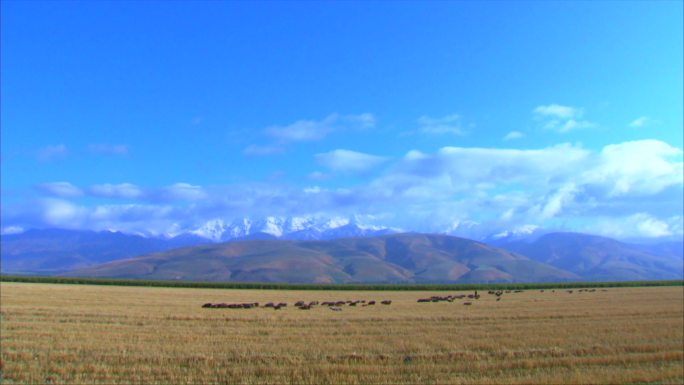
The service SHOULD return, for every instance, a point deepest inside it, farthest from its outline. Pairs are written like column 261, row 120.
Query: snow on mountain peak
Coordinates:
column 212, row 229
column 522, row 230
column 302, row 227
column 336, row 222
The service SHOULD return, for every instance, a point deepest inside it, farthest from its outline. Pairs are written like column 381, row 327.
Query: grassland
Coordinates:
column 80, row 334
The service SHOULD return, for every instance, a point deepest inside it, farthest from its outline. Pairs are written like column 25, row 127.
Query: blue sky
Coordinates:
column 475, row 116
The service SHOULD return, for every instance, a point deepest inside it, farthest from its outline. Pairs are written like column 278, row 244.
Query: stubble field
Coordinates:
column 79, row 334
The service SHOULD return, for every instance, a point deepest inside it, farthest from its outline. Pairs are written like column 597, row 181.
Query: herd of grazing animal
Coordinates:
column 337, row 305
column 451, row 298
column 301, row 305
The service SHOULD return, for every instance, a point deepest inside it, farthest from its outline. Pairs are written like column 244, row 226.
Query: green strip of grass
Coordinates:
column 306, row 286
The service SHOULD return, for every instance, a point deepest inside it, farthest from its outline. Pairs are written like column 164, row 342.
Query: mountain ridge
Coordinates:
column 396, row 258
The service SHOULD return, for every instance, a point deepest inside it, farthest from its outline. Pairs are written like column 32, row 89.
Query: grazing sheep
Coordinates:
column 467, row 303
column 386, row 302
column 371, row 302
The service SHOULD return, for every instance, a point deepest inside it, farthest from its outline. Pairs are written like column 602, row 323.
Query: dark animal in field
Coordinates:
column 299, row 303
column 282, row 304
column 270, row 304
column 386, row 302
column 304, row 307
column 207, row 305
column 467, row 303
column 498, row 299
column 336, row 309
column 340, row 303
column 423, row 300
column 371, row 302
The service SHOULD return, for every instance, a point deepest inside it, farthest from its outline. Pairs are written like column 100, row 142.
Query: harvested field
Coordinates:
column 108, row 334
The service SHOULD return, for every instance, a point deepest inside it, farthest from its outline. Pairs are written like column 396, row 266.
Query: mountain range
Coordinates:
column 297, row 228
column 351, row 253
column 396, row 258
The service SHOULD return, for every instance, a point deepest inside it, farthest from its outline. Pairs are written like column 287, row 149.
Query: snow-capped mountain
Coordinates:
column 296, row 228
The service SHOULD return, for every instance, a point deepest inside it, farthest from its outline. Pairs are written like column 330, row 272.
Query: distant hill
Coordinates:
column 54, row 251
column 410, row 258
column 603, row 259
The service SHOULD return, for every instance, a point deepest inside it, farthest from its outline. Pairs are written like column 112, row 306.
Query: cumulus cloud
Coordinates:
column 60, row 213
column 349, row 161
column 108, row 149
column 450, row 124
column 117, row 191
column 642, row 167
column 483, row 190
column 561, row 119
column 312, row 130
column 513, row 135
column 52, row 152
column 638, row 225
column 60, row 189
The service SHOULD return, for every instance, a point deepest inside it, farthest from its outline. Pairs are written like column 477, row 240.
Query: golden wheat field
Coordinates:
column 77, row 334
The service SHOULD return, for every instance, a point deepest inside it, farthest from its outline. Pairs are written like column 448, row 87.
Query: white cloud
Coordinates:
column 52, row 152
column 450, row 124
column 349, row 161
column 561, row 119
column 108, row 149
column 185, row 191
column 640, row 122
column 61, row 189
column 572, row 124
column 638, row 225
column 118, row 191
column 312, row 130
column 61, row 213
column 563, row 186
column 312, row 190
column 640, row 167
column 513, row 135
column 558, row 111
